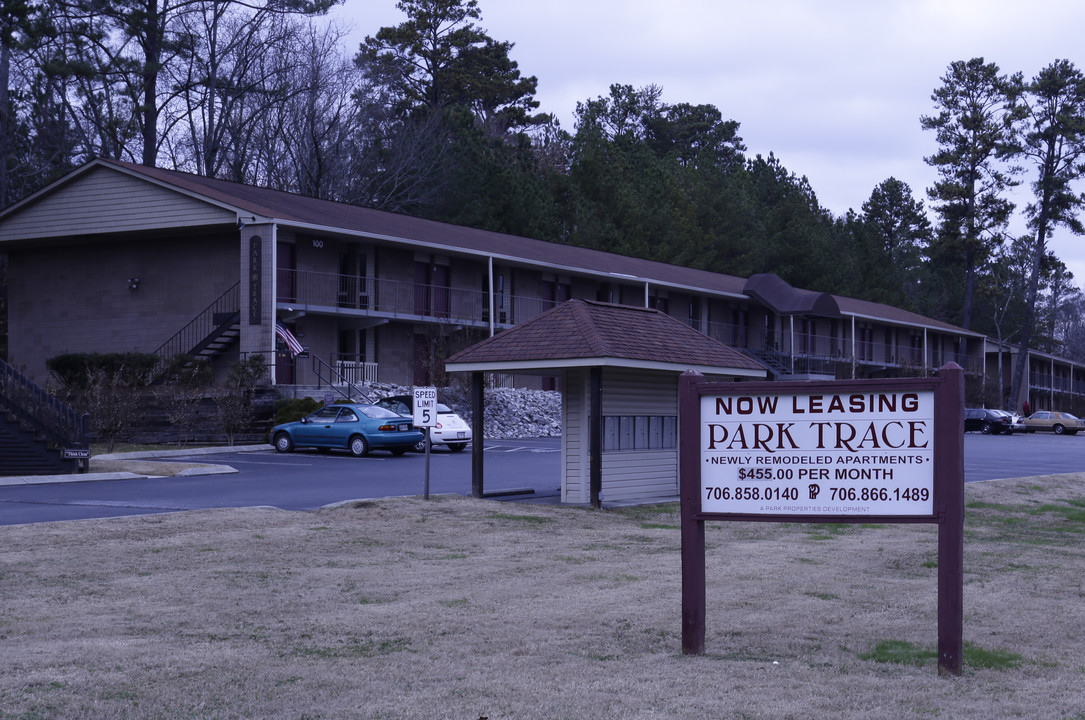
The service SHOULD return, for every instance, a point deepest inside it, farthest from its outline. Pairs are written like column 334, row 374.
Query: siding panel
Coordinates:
column 106, row 201
column 643, row 474
column 574, row 485
column 628, row 476
column 629, row 392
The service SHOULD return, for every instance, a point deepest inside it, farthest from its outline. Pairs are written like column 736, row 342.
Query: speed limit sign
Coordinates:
column 425, row 406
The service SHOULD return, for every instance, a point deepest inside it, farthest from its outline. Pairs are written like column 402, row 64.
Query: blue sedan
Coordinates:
column 355, row 428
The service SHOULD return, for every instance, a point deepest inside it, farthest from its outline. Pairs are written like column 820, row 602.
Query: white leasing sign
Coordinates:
column 824, row 454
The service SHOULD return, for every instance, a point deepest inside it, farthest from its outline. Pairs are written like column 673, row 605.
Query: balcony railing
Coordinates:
column 352, row 371
column 812, row 353
column 1044, row 381
column 400, row 298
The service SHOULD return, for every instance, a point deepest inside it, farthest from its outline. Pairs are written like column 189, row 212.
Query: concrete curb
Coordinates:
column 194, row 470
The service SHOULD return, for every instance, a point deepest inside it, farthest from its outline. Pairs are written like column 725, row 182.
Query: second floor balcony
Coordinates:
column 806, row 353
column 331, row 293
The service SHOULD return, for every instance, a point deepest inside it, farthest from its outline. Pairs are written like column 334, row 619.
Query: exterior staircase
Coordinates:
column 775, row 362
column 22, row 453
column 36, row 429
column 210, row 333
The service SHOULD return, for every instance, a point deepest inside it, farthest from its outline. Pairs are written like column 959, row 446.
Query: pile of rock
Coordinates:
column 509, row 412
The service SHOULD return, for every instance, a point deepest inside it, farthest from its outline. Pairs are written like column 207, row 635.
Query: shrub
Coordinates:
column 294, row 409
column 77, row 370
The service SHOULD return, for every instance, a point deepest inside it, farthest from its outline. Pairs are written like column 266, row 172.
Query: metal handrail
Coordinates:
column 207, row 322
column 43, row 412
column 336, row 380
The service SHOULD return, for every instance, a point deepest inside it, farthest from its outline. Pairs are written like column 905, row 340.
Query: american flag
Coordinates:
column 292, row 343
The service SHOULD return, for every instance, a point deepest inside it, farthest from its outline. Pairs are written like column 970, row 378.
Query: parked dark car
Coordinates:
column 988, row 422
column 355, row 428
column 451, row 430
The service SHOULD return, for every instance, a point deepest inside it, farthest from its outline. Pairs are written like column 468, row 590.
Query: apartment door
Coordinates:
column 431, row 289
column 286, row 263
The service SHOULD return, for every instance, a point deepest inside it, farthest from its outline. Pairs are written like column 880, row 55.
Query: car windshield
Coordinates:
column 377, row 413
column 442, row 408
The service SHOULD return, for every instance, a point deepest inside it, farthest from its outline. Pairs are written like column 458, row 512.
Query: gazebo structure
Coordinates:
column 619, row 367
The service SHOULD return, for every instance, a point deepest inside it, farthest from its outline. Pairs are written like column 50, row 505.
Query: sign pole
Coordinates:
column 424, row 409
column 949, row 488
column 694, row 596
column 425, row 484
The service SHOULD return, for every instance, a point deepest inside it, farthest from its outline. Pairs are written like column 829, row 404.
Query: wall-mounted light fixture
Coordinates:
column 133, row 283
column 242, row 222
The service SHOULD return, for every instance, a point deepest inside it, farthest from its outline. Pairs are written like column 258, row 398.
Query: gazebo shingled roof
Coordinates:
column 584, row 332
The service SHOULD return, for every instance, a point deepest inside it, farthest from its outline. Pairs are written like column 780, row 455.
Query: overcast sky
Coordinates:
column 835, row 88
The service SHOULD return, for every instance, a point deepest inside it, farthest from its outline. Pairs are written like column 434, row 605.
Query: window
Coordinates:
column 325, row 414
column 807, row 339
column 866, row 342
column 740, row 320
column 639, row 432
column 695, row 313
column 917, row 347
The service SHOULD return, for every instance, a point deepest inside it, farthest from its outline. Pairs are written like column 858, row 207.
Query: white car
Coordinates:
column 451, row 430
column 1017, row 425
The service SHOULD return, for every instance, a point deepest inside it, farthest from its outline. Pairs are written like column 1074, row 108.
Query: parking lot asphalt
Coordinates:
column 987, row 457
column 128, row 461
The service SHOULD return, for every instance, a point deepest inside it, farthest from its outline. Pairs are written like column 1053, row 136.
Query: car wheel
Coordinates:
column 457, row 447
column 283, row 443
column 1059, row 429
column 987, row 428
column 359, row 446
column 398, row 451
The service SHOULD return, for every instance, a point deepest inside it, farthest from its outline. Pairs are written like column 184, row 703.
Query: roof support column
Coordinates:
column 853, row 348
column 926, row 354
column 595, row 442
column 791, row 344
column 478, row 441
column 258, row 292
column 490, row 299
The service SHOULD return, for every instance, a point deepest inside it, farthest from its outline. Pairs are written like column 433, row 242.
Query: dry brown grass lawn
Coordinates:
column 457, row 608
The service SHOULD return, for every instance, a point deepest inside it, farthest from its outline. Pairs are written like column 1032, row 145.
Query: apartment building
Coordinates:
column 121, row 257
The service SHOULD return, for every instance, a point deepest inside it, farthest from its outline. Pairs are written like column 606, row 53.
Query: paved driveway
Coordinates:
column 309, row 480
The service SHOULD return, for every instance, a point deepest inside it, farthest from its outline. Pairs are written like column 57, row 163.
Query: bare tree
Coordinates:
column 312, row 134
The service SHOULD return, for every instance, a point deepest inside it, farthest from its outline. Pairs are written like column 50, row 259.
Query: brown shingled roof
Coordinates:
column 289, row 208
column 301, row 212
column 583, row 332
column 772, row 292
